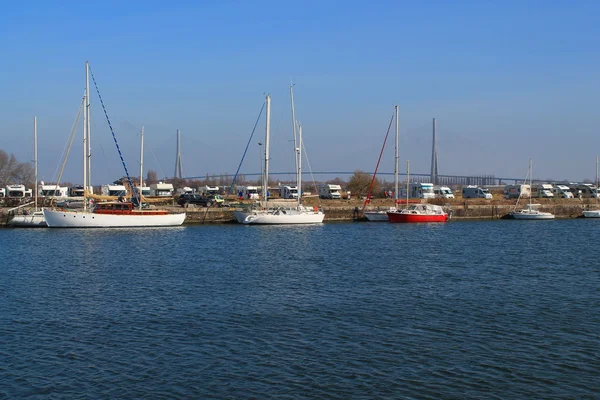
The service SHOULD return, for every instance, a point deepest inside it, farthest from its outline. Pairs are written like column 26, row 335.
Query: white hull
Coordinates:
column 376, row 216
column 34, row 220
column 379, row 216
column 280, row 217
column 591, row 213
column 240, row 216
column 72, row 219
column 532, row 216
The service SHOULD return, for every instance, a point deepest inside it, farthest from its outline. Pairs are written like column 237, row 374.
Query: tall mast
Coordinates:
column 89, row 133
column 85, row 134
column 530, row 178
column 141, row 169
column 396, row 163
column 299, row 171
column 407, row 180
column 267, row 137
column 35, row 162
column 294, row 131
column 596, row 196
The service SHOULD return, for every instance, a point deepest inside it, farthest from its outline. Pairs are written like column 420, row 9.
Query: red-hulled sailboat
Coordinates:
column 419, row 213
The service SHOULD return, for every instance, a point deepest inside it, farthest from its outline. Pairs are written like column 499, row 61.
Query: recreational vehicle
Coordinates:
column 443, row 192
column 514, row 191
column 562, row 191
column 475, row 192
column 18, row 191
column 58, row 192
column 542, row 190
column 583, row 190
column 208, row 190
column 288, row 192
column 328, row 191
column 113, row 190
column 161, row 189
column 248, row 192
column 418, row 190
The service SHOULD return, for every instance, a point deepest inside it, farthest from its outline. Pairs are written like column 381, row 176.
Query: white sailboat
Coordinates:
column 110, row 214
column 530, row 211
column 35, row 219
column 596, row 212
column 381, row 215
column 281, row 215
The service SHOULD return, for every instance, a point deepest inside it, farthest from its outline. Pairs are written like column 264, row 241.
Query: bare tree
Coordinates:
column 359, row 184
column 13, row 171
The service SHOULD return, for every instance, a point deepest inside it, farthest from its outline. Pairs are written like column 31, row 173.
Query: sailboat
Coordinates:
column 530, row 211
column 382, row 215
column 109, row 214
column 280, row 215
column 35, row 219
column 422, row 212
column 594, row 213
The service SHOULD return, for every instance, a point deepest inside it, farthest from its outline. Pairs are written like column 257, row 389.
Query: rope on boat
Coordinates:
column 368, row 199
column 73, row 130
column 133, row 189
column 245, row 151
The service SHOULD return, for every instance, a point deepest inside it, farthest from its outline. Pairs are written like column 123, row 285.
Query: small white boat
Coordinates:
column 281, row 215
column 531, row 211
column 379, row 215
column 35, row 219
column 594, row 213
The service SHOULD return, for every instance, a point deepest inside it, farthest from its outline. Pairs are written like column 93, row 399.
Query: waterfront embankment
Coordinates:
column 349, row 210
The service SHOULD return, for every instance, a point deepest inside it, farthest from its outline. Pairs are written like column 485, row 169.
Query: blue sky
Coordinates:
column 506, row 81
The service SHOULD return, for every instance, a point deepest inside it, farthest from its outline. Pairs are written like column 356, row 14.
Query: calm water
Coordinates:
column 502, row 309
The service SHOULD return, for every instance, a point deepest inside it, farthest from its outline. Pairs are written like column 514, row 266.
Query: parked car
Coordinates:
column 193, row 198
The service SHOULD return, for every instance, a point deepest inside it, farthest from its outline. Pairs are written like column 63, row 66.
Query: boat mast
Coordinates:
column 267, row 137
column 596, row 196
column 141, row 169
column 530, row 180
column 396, row 163
column 407, row 180
column 89, row 134
column 85, row 134
column 294, row 130
column 35, row 162
column 299, row 171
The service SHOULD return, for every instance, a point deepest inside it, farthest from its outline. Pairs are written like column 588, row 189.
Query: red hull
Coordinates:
column 410, row 218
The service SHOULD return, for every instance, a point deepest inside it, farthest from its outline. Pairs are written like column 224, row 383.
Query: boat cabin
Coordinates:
column 124, row 208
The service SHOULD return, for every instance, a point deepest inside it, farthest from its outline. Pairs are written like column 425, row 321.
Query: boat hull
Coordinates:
column 72, row 219
column 416, row 218
column 537, row 216
column 591, row 213
column 284, row 217
column 376, row 216
column 35, row 220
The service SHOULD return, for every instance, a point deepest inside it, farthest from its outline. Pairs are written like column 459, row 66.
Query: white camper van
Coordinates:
column 542, row 190
column 562, row 191
column 288, row 192
column 514, row 191
column 443, row 192
column 475, row 192
column 248, row 192
column 18, row 191
column 586, row 190
column 328, row 191
column 58, row 192
column 161, row 189
column 417, row 190
column 114, row 190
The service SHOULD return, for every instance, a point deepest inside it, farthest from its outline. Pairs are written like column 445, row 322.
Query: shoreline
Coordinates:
column 345, row 210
